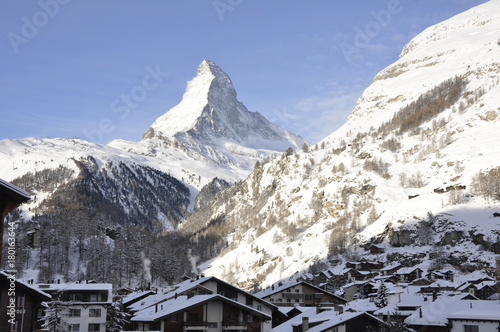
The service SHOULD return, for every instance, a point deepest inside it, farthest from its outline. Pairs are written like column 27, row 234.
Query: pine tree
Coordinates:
column 382, row 293
column 54, row 313
column 117, row 318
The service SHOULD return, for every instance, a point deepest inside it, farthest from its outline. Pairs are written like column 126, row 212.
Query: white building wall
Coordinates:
column 84, row 320
column 458, row 326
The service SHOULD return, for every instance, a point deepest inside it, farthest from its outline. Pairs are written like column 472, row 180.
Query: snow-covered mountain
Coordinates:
column 210, row 134
column 212, row 128
column 414, row 169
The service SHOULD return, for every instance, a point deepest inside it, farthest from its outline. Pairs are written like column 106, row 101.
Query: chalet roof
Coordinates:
column 341, row 319
column 451, row 307
column 185, row 287
column 27, row 287
column 391, row 267
column 407, row 270
column 135, row 296
column 183, row 303
column 15, row 193
column 78, row 287
column 270, row 291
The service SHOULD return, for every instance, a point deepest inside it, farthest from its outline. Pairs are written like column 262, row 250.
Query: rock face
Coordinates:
column 210, row 115
column 208, row 191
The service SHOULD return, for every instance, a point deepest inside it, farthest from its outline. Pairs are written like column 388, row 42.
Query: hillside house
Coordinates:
column 27, row 305
column 390, row 269
column 409, row 274
column 301, row 294
column 87, row 304
column 440, row 275
column 482, row 290
column 375, row 249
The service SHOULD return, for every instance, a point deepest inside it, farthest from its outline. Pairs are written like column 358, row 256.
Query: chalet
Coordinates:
column 440, row 275
column 439, row 286
column 353, row 265
column 352, row 290
column 390, row 269
column 299, row 293
column 482, row 290
column 87, row 304
column 340, row 275
column 371, row 266
column 408, row 274
column 10, row 198
column 210, row 312
column 204, row 303
column 421, row 282
column 375, row 249
column 332, row 321
column 27, row 305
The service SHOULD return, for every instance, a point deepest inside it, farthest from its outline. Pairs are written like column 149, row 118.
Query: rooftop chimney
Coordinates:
column 305, row 324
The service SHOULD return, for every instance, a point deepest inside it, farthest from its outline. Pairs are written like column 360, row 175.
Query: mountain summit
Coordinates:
column 210, row 114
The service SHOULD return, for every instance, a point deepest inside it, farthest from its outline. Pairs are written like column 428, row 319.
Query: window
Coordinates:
column 212, row 325
column 94, row 327
column 75, row 312
column 75, row 297
column 259, row 307
column 174, row 318
column 94, row 297
column 20, row 300
column 15, row 326
column 297, row 291
column 471, row 328
column 289, row 300
column 193, row 317
column 94, row 312
column 74, row 327
column 309, row 297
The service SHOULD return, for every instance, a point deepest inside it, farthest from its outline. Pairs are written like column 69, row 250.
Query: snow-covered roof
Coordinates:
column 182, row 288
column 136, row 295
column 438, row 312
column 407, row 270
column 390, row 267
column 182, row 303
column 276, row 289
column 487, row 310
column 270, row 291
column 15, row 189
column 28, row 286
column 340, row 319
column 79, row 287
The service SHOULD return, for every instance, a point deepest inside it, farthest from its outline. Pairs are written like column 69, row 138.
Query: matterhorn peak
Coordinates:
column 210, row 114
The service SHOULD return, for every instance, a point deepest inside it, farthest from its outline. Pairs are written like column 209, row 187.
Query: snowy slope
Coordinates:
column 362, row 184
column 209, row 134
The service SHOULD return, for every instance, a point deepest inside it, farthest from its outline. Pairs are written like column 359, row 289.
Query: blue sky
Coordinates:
column 66, row 64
